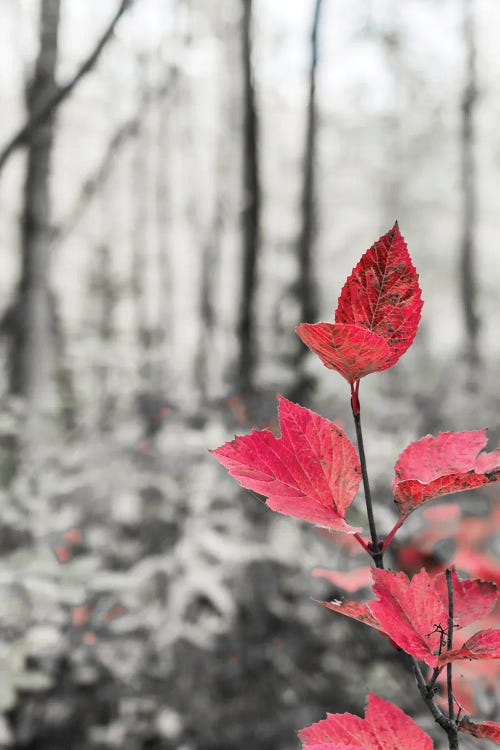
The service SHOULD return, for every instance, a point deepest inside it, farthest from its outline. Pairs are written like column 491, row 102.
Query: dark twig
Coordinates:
column 55, row 98
column 452, row 733
column 376, row 551
column 428, row 698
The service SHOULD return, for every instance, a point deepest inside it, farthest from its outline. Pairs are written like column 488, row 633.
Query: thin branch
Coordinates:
column 390, row 535
column 428, row 698
column 362, row 542
column 452, row 735
column 94, row 182
column 376, row 551
column 91, row 186
column 55, row 98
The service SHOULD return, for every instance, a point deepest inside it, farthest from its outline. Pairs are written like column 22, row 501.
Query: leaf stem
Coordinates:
column 362, row 542
column 393, row 531
column 377, row 551
column 452, row 735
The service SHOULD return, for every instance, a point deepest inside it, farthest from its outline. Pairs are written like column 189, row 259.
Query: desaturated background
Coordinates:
column 182, row 182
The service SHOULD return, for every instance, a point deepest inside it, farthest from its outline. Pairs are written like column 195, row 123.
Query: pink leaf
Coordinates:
column 483, row 645
column 483, row 730
column 434, row 466
column 377, row 315
column 410, row 612
column 350, row 350
column 312, row 472
column 472, row 599
column 386, row 727
column 356, row 611
column 414, row 615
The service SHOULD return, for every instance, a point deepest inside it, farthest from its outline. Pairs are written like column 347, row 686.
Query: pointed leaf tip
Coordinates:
column 377, row 315
column 311, row 472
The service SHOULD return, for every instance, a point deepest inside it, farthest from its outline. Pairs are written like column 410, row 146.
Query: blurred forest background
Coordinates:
column 182, row 182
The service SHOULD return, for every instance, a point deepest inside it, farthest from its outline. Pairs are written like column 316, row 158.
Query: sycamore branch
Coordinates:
column 46, row 106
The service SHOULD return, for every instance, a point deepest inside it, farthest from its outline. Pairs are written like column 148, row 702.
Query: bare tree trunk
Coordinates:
column 163, row 228
column 207, row 299
column 31, row 357
column 104, row 291
column 251, row 211
column 306, row 285
column 211, row 248
column 468, row 279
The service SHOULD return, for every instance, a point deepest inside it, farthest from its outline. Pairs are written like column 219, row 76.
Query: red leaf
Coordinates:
column 312, row 472
column 414, row 614
column 356, row 611
column 410, row 612
column 377, row 315
column 434, row 466
column 480, row 564
column 350, row 350
column 352, row 580
column 483, row 645
column 483, row 730
column 386, row 727
column 472, row 599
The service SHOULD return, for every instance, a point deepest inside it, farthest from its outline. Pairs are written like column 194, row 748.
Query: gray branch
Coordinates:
column 55, row 98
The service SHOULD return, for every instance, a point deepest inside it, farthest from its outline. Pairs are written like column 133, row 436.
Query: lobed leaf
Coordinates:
column 410, row 612
column 312, row 472
column 482, row 645
column 435, row 466
column 472, row 599
column 385, row 727
column 414, row 614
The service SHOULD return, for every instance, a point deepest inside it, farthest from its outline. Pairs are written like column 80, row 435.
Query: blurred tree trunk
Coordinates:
column 205, row 365
column 208, row 269
column 395, row 146
column 163, row 226
column 251, row 211
column 468, row 278
column 140, row 185
column 306, row 284
column 104, row 292
column 32, row 341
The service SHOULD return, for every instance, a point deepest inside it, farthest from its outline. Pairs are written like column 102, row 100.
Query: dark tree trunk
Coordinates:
column 205, row 365
column 32, row 343
column 306, row 284
column 251, row 211
column 104, row 292
column 468, row 280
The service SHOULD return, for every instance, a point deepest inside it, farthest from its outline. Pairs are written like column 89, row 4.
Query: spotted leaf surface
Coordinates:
column 350, row 350
column 311, row 472
column 377, row 315
column 435, row 466
column 385, row 727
